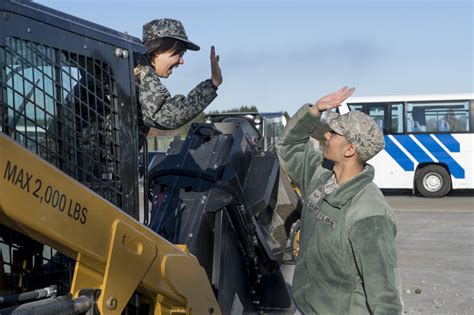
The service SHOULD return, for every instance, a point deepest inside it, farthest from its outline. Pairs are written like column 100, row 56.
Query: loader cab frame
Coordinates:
column 68, row 95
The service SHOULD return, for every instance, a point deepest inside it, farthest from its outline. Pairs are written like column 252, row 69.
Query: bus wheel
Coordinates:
column 433, row 181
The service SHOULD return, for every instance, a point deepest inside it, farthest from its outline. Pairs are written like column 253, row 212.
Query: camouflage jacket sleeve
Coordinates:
column 295, row 150
column 161, row 110
column 373, row 244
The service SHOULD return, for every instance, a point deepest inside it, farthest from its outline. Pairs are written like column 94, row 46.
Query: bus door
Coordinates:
column 388, row 173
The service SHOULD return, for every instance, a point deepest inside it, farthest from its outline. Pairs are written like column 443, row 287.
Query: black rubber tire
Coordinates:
column 433, row 181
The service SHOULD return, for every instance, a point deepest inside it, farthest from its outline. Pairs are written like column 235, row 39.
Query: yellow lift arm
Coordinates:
column 113, row 252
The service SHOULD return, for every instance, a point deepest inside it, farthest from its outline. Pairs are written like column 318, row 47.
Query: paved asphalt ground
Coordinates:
column 435, row 254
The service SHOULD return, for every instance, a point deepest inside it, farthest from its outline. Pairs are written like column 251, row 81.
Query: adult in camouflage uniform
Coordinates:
column 347, row 258
column 166, row 42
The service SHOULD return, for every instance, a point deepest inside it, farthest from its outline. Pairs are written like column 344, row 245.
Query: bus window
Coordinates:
column 438, row 116
column 377, row 112
column 416, row 118
column 358, row 107
column 396, row 118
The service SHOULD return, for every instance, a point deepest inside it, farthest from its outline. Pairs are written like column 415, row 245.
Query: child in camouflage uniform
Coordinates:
column 347, row 258
column 166, row 43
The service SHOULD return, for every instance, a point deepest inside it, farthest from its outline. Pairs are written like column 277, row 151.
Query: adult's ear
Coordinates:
column 350, row 150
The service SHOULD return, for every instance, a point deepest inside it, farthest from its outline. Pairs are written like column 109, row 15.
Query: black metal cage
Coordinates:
column 63, row 107
column 67, row 94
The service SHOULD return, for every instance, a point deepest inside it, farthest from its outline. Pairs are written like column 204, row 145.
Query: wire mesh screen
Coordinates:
column 63, row 107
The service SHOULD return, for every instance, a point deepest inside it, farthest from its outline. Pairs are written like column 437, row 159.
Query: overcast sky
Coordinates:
column 277, row 55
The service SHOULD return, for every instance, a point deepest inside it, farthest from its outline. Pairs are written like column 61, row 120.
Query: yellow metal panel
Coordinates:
column 179, row 272
column 130, row 255
column 84, row 277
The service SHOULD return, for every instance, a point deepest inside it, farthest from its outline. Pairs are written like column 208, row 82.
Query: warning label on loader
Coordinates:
column 47, row 194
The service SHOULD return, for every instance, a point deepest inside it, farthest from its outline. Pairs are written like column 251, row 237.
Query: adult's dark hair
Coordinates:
column 163, row 44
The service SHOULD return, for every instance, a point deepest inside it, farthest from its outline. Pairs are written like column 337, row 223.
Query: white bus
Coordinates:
column 429, row 141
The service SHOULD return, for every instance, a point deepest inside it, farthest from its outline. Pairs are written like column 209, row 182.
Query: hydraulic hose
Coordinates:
column 62, row 305
column 31, row 295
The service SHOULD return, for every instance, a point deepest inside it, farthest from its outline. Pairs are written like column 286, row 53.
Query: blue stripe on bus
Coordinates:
column 449, row 142
column 413, row 148
column 456, row 170
column 401, row 158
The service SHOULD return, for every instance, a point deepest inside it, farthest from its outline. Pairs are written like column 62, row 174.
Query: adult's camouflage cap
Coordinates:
column 359, row 129
column 156, row 29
